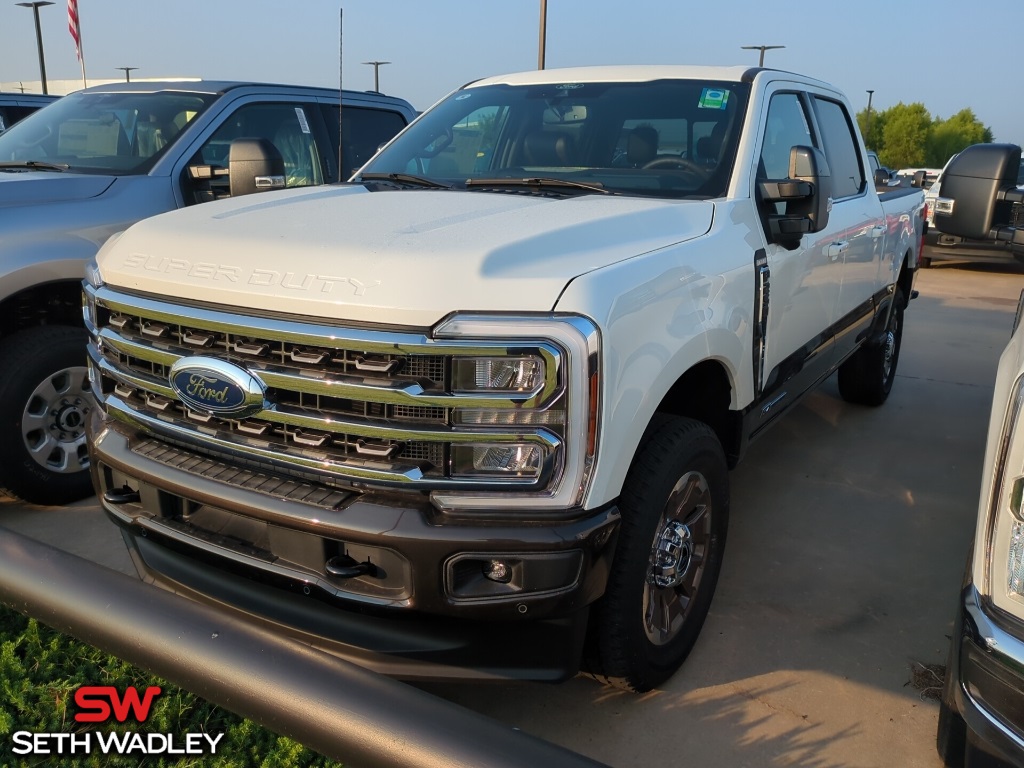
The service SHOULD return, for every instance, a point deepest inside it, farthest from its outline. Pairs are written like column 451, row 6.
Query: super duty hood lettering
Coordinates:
column 418, row 254
column 267, row 278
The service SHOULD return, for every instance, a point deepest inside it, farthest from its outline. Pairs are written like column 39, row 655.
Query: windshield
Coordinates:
column 666, row 138
column 121, row 133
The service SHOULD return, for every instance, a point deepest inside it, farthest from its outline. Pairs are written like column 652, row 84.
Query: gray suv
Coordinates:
column 97, row 161
column 16, row 106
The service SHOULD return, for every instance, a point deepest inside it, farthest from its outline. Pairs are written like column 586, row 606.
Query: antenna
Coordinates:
column 341, row 94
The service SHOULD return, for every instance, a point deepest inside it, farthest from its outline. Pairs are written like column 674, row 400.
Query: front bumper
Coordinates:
column 384, row 580
column 985, row 680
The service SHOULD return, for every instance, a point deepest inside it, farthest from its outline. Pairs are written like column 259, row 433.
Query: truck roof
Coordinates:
column 640, row 73
column 223, row 86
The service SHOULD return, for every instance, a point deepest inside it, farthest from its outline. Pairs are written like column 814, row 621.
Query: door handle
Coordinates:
column 835, row 250
column 877, row 231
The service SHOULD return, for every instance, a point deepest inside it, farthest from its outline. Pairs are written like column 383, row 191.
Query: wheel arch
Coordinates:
column 906, row 278
column 704, row 391
column 58, row 302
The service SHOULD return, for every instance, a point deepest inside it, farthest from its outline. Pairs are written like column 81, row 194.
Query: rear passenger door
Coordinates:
column 856, row 221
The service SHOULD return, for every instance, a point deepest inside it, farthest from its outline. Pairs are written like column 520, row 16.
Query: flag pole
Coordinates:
column 81, row 60
column 75, row 27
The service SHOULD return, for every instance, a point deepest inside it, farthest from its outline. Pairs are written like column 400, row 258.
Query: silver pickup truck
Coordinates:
column 92, row 164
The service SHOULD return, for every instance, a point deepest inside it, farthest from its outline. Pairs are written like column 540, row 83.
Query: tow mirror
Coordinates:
column 919, row 180
column 254, row 165
column 978, row 193
column 881, row 178
column 807, row 194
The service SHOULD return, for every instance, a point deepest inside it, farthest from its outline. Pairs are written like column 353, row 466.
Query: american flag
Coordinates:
column 74, row 28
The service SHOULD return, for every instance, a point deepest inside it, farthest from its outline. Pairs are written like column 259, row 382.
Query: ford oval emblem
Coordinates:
column 217, row 387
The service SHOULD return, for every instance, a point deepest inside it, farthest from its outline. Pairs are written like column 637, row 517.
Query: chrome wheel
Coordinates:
column 678, row 558
column 53, row 422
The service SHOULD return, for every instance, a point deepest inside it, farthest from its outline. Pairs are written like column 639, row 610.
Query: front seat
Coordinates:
column 641, row 146
column 300, row 158
column 548, row 148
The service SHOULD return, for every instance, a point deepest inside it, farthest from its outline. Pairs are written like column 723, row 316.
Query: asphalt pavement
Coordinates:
column 848, row 536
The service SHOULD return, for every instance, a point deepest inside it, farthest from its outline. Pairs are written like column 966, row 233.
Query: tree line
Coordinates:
column 907, row 136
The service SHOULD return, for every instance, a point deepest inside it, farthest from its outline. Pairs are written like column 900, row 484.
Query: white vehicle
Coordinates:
column 981, row 717
column 474, row 412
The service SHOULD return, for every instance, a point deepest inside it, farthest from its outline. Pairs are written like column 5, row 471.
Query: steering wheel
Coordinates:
column 677, row 163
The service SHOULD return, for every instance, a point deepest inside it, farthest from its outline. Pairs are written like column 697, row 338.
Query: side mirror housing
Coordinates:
column 807, row 194
column 881, row 177
column 254, row 165
column 977, row 193
column 919, row 180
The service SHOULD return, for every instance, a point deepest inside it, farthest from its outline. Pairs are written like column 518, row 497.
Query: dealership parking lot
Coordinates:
column 849, row 532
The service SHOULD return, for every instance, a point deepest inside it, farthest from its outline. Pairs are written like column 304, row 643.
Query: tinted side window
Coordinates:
column 365, row 130
column 286, row 125
column 840, row 149
column 787, row 127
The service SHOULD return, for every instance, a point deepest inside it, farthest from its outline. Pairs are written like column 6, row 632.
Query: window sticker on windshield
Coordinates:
column 713, row 98
column 303, row 123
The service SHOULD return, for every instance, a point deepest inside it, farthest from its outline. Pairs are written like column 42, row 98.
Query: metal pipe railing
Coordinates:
column 332, row 706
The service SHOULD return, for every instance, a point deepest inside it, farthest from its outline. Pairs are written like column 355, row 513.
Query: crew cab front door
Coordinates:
column 804, row 281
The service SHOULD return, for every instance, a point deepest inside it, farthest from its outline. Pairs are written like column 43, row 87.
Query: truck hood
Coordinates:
column 405, row 257
column 34, row 187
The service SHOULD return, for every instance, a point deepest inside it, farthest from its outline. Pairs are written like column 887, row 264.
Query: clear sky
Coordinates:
column 946, row 54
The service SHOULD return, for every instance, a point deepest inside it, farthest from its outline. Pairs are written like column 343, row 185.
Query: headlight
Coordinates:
column 496, row 461
column 1002, row 538
column 92, row 274
column 498, row 374
column 525, row 399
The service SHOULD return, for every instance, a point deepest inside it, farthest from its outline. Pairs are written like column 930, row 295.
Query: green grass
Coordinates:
column 40, row 669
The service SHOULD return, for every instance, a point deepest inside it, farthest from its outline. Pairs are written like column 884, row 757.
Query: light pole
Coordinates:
column 35, row 6
column 867, row 130
column 543, row 33
column 762, row 49
column 127, row 73
column 376, row 73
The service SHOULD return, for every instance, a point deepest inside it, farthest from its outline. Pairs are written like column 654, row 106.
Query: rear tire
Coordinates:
column 675, row 515
column 867, row 376
column 44, row 403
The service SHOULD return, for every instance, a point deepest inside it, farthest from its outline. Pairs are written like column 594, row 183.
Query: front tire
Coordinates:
column 675, row 515
column 868, row 375
column 44, row 403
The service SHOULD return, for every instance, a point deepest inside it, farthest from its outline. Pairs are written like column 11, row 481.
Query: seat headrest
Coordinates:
column 548, row 148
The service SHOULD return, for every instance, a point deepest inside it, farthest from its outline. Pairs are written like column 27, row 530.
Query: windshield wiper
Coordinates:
column 593, row 186
column 405, row 178
column 35, row 165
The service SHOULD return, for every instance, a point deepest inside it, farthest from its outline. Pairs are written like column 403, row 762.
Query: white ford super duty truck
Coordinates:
column 472, row 413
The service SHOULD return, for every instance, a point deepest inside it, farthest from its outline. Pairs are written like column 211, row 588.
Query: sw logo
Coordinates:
column 106, row 704
column 96, row 703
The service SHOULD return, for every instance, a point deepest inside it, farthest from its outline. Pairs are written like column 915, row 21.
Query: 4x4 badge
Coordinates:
column 217, row 387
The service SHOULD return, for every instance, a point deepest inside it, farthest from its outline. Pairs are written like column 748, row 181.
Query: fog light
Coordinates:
column 499, row 571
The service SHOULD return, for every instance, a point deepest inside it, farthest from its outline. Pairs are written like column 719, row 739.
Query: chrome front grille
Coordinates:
column 343, row 406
